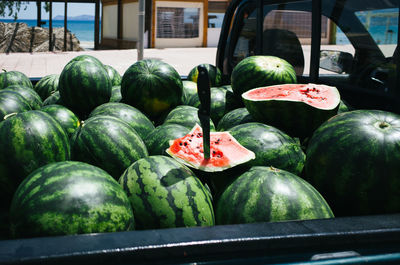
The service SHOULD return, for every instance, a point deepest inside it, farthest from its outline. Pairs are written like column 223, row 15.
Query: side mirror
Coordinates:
column 336, row 61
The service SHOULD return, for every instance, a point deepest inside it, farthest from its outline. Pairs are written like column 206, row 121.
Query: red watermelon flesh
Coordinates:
column 225, row 151
column 319, row 96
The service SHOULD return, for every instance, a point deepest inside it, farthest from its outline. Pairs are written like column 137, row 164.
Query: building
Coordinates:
column 168, row 23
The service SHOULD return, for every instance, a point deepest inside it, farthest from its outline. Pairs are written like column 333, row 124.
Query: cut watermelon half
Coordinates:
column 297, row 109
column 225, row 151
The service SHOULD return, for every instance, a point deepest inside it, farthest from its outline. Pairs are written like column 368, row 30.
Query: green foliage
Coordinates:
column 11, row 8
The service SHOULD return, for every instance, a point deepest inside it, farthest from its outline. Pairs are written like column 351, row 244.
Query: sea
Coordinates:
column 83, row 29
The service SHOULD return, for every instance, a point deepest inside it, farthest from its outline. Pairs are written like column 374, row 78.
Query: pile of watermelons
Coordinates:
column 84, row 151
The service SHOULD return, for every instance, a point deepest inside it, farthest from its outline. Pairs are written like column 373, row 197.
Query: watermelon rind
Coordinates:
column 12, row 102
column 271, row 146
column 14, row 78
column 152, row 86
column 68, row 120
column 131, row 115
column 186, row 116
column 353, row 160
column 47, row 85
column 164, row 194
column 83, row 86
column 214, row 74
column 222, row 101
column 157, row 141
column 107, row 142
column 233, row 118
column 268, row 194
column 29, row 94
column 261, row 70
column 67, row 198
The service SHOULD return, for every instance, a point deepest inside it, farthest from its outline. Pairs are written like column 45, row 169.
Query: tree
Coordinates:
column 11, row 8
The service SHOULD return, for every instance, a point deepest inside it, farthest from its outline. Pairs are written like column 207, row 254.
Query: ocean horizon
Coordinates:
column 83, row 29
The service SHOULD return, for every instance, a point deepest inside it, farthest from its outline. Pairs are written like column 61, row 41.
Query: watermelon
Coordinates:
column 83, row 86
column 152, row 86
column 225, row 151
column 267, row 194
column 54, row 98
column 116, row 94
column 271, row 146
column 69, row 197
column 261, row 70
column 86, row 58
column 296, row 109
column 164, row 194
column 222, row 101
column 12, row 102
column 33, row 98
column 107, row 142
column 47, row 85
column 14, row 78
column 214, row 74
column 29, row 140
column 157, row 141
column 186, row 116
column 233, row 118
column 189, row 89
column 114, row 75
column 134, row 117
column 353, row 160
column 68, row 120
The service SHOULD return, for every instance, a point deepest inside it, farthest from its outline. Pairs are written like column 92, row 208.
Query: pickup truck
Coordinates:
column 350, row 44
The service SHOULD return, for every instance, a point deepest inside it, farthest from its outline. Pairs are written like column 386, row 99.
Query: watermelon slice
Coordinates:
column 297, row 109
column 225, row 151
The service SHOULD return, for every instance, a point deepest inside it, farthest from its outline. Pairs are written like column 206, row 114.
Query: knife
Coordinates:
column 203, row 91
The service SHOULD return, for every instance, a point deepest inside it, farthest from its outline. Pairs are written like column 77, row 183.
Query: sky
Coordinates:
column 74, row 9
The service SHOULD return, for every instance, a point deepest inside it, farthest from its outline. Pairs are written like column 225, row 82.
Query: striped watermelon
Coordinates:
column 29, row 140
column 157, row 141
column 14, row 78
column 271, row 146
column 114, row 75
column 353, row 160
column 222, row 101
column 116, row 95
column 47, row 85
column 152, row 86
column 164, row 193
column 67, row 198
column 261, row 70
column 86, row 58
column 107, row 142
column 134, row 117
column 12, row 102
column 54, row 98
column 68, row 120
column 29, row 94
column 233, row 118
column 186, row 116
column 214, row 74
column 267, row 194
column 83, row 86
column 189, row 89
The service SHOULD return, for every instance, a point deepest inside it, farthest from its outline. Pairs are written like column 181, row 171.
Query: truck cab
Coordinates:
column 350, row 44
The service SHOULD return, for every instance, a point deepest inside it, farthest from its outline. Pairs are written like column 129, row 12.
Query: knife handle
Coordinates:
column 203, row 89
